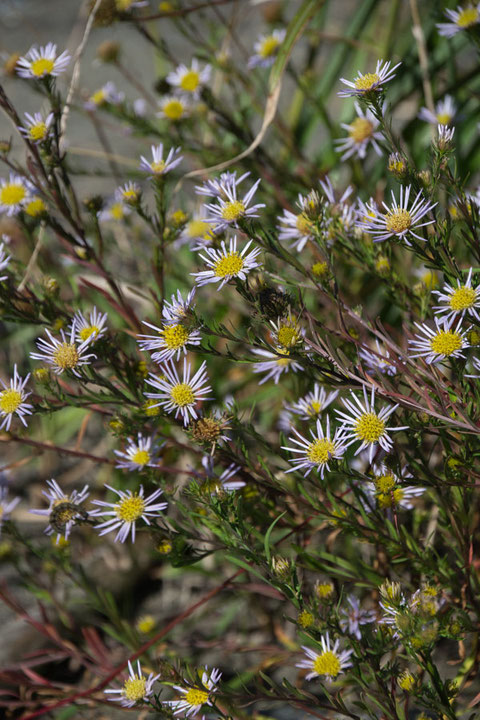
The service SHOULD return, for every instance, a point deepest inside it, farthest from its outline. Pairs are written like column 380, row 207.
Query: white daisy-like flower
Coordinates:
column 445, row 111
column 276, row 364
column 313, row 403
column 460, row 300
column 198, row 233
column 370, row 82
column 63, row 510
column 42, row 62
column 216, row 483
column 129, row 193
column 136, row 689
column 124, row 514
column 115, row 211
column 439, row 343
column 362, row 132
column 170, row 342
column 266, row 48
column 297, row 229
column 14, row 193
column 224, row 265
column 190, row 80
column 90, row 328
column 399, row 220
column 445, row 136
column 177, row 310
column 158, row 166
column 328, row 663
column 180, row 395
column 4, row 260
column 389, row 489
column 379, row 360
column 6, row 507
column 351, row 618
column 215, row 187
column 363, row 424
column 64, row 354
column 316, row 453
column 37, row 126
column 13, row 400
column 139, row 453
column 195, row 697
column 287, row 332
column 460, row 19
column 174, row 108
column 228, row 209
column 107, row 94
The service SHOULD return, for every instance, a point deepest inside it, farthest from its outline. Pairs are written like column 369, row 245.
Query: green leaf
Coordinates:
column 266, row 543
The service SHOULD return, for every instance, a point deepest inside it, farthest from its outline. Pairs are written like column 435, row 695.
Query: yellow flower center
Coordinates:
column 233, row 210
column 190, row 81
column 158, row 167
column 131, row 508
column 366, row 82
column 388, row 499
column 320, row 451
column 87, row 332
column 175, row 336
column 145, row 624
column 42, row 66
column 98, row 97
column 396, row 166
column 150, row 409
column 134, row 688
column 12, row 194
column 398, row 221
column 406, row 681
column 269, row 47
column 62, row 513
column 385, row 483
column 314, row 408
column 35, row 207
column 429, row 279
column 467, row 17
column 173, row 109
column 38, row 131
column 117, row 211
column 10, row 401
column 444, row 118
column 288, row 336
column 196, row 697
column 360, row 129
column 327, row 664
column 324, row 590
column 66, row 356
column 305, row 619
column 446, row 342
column 198, row 228
column 320, row 268
column 141, row 457
column 182, row 395
column 462, row 299
column 304, row 225
column 130, row 195
column 369, row 427
column 230, row 264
